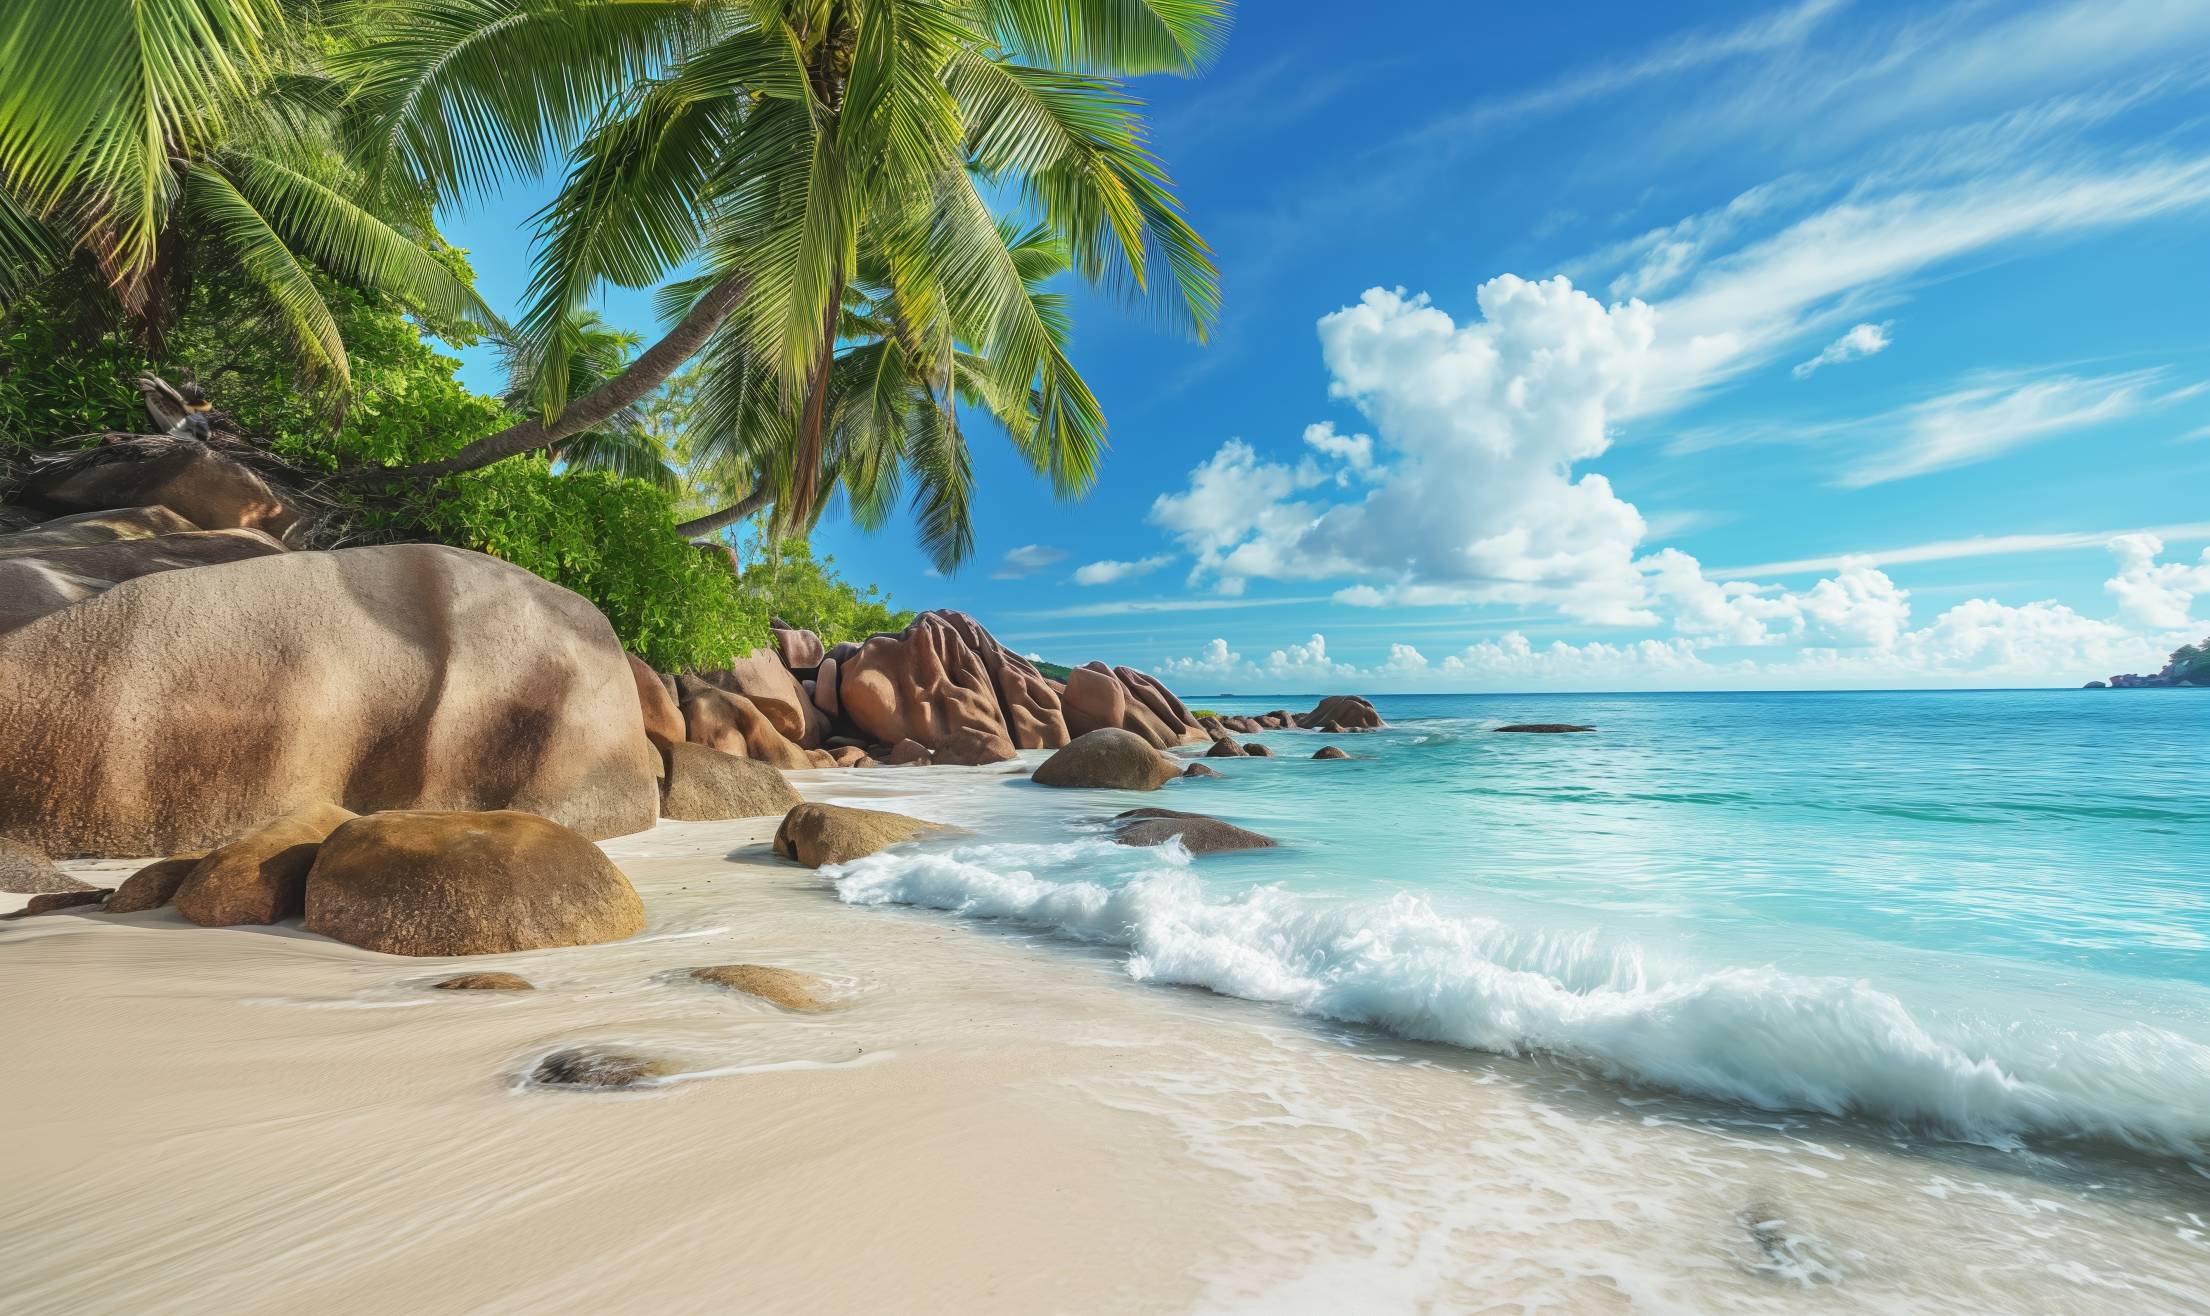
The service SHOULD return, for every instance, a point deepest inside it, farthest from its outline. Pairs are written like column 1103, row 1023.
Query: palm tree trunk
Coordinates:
column 805, row 476
column 651, row 369
column 727, row 516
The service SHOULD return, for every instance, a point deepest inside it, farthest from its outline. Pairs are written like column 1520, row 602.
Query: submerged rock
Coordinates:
column 485, row 982
column 1342, row 713
column 154, row 885
column 1331, row 752
column 787, row 988
column 424, row 883
column 580, row 1068
column 819, row 834
column 1200, row 770
column 1257, row 751
column 706, row 785
column 1198, row 833
column 1108, row 758
column 262, row 876
column 1224, row 748
column 1545, row 728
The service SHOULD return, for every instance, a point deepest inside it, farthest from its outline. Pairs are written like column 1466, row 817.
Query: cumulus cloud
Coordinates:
column 1862, row 341
column 1110, row 570
column 2154, row 593
column 1027, row 560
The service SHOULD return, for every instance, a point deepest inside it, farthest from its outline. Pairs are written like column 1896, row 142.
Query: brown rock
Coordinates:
column 1545, row 728
column 799, row 649
column 927, row 685
column 577, row 1067
column 26, row 871
column 824, row 691
column 175, row 710
column 203, row 486
column 1197, row 833
column 1258, row 751
column 760, row 677
column 819, row 834
column 1224, row 748
column 734, row 725
column 426, row 883
column 34, row 584
column 262, row 876
column 485, row 982
column 706, row 785
column 1028, row 701
column 849, row 756
column 1108, row 758
column 787, row 988
column 1200, row 770
column 1094, row 700
column 154, row 885
column 1172, row 715
column 663, row 720
column 1342, row 711
column 52, row 902
column 1331, row 752
column 908, row 754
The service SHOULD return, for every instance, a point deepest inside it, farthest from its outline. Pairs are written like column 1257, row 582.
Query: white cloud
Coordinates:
column 1987, row 420
column 1027, row 560
column 1109, row 571
column 1354, row 451
column 1861, row 341
column 1950, row 550
column 2154, row 593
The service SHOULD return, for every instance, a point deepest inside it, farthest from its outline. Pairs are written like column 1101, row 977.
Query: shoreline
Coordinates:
column 997, row 1120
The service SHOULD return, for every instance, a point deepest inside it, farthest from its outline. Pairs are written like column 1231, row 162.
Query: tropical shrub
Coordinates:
column 789, row 582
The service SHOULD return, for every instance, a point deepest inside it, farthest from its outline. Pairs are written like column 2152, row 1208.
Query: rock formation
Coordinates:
column 820, row 834
column 416, row 882
column 1198, row 833
column 1108, row 758
column 706, row 785
column 262, row 876
column 1343, row 713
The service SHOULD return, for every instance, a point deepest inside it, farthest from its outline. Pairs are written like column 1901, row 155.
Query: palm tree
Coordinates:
column 627, row 442
column 768, row 144
column 141, row 131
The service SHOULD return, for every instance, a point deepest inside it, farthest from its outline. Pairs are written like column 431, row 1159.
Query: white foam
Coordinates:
column 1755, row 1035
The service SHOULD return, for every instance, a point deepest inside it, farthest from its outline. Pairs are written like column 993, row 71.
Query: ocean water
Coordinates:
column 1967, row 917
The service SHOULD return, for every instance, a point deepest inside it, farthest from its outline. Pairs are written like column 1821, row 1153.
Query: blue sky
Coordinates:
column 1615, row 346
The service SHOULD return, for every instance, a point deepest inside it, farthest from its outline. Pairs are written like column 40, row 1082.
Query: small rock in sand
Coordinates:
column 152, row 887
column 818, row 834
column 485, row 982
column 579, row 1068
column 55, row 901
column 787, row 988
column 25, row 870
column 1545, row 728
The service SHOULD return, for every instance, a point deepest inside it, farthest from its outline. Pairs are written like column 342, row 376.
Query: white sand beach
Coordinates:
column 261, row 1120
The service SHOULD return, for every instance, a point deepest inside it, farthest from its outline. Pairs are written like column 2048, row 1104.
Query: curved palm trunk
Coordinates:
column 650, row 370
column 726, row 517
column 805, row 477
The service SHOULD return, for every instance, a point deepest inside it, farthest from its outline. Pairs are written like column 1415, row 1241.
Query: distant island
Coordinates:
column 2190, row 665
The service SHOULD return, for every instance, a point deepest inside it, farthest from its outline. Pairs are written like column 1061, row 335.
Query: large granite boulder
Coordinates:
column 818, row 834
column 733, row 724
column 262, row 876
column 1028, row 701
column 1100, row 697
column 172, row 711
column 761, row 678
column 663, row 719
column 1344, row 713
column 1108, row 758
column 65, row 561
column 1198, row 833
column 212, row 491
column 706, row 785
column 418, row 882
column 1094, row 700
column 925, row 684
column 800, row 649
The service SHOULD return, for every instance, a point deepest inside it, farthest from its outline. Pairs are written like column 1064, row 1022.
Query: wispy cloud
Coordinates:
column 1861, row 341
column 1110, row 570
column 1027, row 560
column 1950, row 550
column 1976, row 423
column 1137, row 607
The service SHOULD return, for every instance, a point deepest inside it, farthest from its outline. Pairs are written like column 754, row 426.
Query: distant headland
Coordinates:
column 2189, row 665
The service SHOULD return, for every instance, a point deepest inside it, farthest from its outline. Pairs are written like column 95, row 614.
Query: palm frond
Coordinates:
column 264, row 257
column 1114, row 36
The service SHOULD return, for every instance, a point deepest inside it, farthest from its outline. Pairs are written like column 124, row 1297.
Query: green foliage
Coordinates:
column 613, row 541
column 789, row 582
column 2190, row 664
column 1056, row 671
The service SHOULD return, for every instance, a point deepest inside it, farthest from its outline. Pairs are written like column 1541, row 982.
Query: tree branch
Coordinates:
column 727, row 516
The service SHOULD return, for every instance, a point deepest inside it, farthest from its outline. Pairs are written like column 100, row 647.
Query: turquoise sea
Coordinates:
column 1980, row 917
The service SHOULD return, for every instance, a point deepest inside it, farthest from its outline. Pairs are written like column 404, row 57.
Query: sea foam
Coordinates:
column 1754, row 1035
